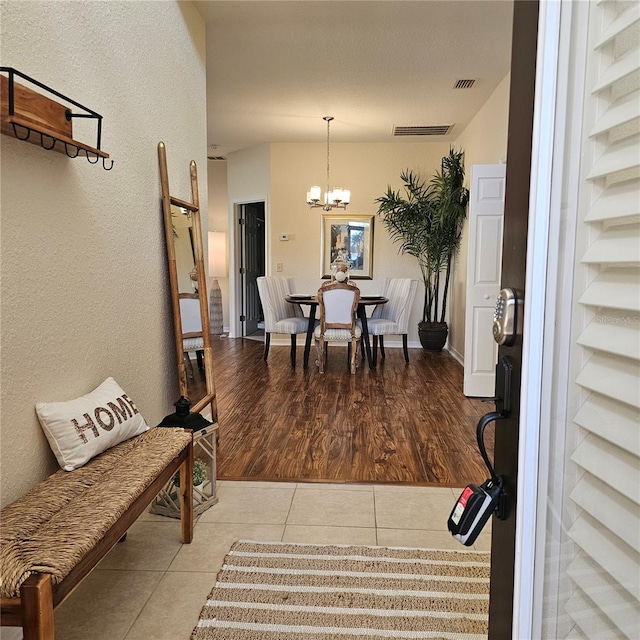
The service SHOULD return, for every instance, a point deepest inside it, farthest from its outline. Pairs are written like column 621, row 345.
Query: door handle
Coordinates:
column 501, row 497
column 486, row 420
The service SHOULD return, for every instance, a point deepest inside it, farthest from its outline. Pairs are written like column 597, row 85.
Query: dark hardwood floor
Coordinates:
column 400, row 423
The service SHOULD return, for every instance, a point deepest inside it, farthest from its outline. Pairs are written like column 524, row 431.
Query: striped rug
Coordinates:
column 282, row 591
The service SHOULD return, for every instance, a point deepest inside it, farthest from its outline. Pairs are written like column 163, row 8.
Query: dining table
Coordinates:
column 311, row 301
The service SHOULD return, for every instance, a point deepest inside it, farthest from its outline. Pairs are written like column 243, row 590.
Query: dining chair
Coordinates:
column 280, row 316
column 192, row 340
column 338, row 303
column 392, row 318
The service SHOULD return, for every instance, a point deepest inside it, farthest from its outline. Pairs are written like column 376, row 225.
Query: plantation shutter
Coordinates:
column 605, row 525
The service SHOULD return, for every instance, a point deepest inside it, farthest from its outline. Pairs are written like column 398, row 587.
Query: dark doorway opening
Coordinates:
column 251, row 221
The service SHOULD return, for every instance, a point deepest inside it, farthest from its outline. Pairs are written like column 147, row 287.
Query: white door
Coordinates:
column 484, row 262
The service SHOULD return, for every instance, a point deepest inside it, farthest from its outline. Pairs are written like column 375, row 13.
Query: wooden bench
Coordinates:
column 52, row 537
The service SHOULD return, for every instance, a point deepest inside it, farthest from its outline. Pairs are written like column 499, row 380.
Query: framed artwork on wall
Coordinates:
column 348, row 238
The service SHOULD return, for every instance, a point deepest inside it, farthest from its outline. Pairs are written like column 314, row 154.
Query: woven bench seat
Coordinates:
column 53, row 528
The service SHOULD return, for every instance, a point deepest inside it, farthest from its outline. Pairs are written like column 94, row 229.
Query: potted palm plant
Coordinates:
column 426, row 218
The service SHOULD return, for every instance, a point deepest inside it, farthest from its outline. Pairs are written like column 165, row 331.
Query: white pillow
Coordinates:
column 80, row 429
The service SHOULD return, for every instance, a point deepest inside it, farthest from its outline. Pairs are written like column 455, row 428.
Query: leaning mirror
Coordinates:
column 185, row 254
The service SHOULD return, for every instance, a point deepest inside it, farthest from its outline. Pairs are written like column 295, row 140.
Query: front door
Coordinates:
column 514, row 252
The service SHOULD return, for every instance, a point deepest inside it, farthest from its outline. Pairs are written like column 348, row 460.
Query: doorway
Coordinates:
column 250, row 220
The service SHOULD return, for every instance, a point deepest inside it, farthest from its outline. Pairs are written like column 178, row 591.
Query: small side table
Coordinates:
column 205, row 433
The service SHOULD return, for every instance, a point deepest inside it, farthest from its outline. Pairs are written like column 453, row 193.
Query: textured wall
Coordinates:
column 84, row 284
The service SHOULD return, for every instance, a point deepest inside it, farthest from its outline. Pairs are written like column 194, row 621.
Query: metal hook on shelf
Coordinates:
column 73, row 146
column 86, row 153
column 104, row 166
column 15, row 131
column 42, row 144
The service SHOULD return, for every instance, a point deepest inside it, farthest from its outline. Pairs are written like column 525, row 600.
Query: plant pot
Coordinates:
column 433, row 335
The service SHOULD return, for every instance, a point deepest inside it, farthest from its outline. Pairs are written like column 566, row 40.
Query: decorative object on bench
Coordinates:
column 52, row 537
column 166, row 503
column 79, row 429
column 33, row 117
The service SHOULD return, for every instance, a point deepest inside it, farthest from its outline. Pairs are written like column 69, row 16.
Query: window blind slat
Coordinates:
column 622, row 157
column 617, row 604
column 611, row 421
column 589, row 618
column 615, row 245
column 623, row 22
column 614, row 289
column 611, row 465
column 620, row 113
column 616, row 72
column 615, row 557
column 614, row 334
column 612, row 376
column 612, row 509
column 618, row 201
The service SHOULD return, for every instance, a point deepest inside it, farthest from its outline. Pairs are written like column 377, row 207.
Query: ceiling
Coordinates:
column 275, row 68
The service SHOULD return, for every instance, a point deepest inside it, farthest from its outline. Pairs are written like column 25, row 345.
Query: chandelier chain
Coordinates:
column 339, row 197
column 328, row 119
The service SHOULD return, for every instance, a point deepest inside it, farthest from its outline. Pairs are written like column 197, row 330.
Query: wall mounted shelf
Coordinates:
column 33, row 117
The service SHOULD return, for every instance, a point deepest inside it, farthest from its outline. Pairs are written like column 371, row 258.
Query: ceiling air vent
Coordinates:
column 426, row 130
column 464, row 84
column 216, row 158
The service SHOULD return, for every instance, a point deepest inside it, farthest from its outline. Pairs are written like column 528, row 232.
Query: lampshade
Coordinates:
column 217, row 254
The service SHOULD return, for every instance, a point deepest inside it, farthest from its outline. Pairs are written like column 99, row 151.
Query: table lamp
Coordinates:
column 217, row 269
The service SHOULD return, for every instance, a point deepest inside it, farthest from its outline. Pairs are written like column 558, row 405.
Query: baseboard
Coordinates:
column 412, row 344
column 456, row 355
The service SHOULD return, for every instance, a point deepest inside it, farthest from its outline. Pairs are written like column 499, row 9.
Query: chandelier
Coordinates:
column 337, row 198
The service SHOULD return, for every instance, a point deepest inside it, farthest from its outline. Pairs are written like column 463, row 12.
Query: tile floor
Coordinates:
column 151, row 587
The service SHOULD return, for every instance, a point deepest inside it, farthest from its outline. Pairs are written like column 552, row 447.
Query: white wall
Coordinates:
column 84, row 275
column 484, row 142
column 248, row 180
column 365, row 169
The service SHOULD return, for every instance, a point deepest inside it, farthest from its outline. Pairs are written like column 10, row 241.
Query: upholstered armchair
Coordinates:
column 392, row 318
column 338, row 303
column 280, row 316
